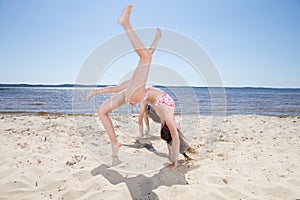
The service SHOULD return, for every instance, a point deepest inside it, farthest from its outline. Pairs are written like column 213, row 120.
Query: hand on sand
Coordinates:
column 192, row 150
column 172, row 166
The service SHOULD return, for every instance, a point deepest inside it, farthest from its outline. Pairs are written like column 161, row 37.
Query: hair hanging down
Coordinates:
column 166, row 135
column 165, row 132
column 152, row 114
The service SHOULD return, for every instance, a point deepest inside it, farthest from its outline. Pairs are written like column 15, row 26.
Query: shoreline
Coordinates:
column 68, row 157
column 134, row 114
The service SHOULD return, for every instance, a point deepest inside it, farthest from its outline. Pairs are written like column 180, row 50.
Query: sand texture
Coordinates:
column 68, row 157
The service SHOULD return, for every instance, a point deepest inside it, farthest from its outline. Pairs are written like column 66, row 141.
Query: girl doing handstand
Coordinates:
column 134, row 91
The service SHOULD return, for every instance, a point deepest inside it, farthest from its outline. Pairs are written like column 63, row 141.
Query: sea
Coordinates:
column 71, row 99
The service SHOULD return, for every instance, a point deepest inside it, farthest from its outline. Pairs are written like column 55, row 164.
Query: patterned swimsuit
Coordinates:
column 165, row 99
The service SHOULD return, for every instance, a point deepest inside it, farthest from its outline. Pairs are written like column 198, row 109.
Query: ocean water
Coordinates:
column 189, row 100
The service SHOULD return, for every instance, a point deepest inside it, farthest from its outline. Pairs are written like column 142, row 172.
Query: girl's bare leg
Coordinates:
column 114, row 102
column 124, row 21
column 108, row 89
column 136, row 88
column 154, row 43
column 142, row 71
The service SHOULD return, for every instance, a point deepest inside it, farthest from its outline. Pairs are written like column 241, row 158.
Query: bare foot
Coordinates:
column 115, row 161
column 158, row 34
column 115, row 149
column 91, row 94
column 124, row 19
column 192, row 150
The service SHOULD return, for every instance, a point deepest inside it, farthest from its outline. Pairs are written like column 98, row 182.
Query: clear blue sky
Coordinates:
column 253, row 43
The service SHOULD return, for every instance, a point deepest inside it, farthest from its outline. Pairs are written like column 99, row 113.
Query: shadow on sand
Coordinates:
column 141, row 186
column 146, row 143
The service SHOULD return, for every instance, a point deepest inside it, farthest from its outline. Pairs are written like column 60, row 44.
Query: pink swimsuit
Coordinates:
column 147, row 92
column 165, row 99
column 145, row 97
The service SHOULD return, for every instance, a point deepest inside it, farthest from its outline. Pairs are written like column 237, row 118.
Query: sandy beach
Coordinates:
column 68, row 157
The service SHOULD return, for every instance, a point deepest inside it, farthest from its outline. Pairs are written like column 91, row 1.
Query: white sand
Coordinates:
column 46, row 157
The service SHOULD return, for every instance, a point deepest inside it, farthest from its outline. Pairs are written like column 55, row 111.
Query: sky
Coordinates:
column 252, row 43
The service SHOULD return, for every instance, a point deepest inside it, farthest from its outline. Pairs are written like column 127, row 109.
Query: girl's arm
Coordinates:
column 175, row 142
column 141, row 116
column 146, row 119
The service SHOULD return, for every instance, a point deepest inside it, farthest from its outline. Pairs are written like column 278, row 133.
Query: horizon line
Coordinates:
column 91, row 85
